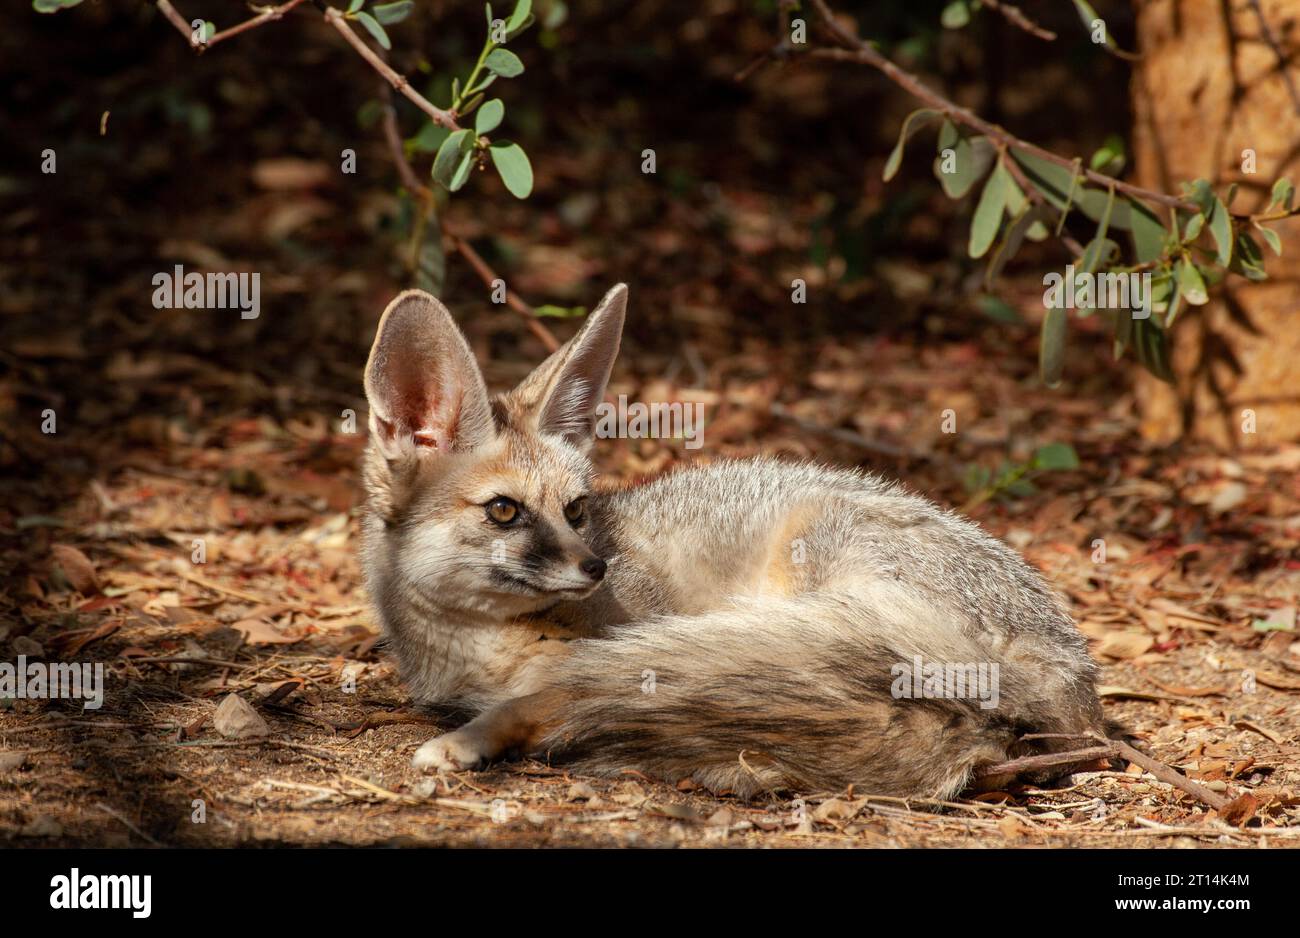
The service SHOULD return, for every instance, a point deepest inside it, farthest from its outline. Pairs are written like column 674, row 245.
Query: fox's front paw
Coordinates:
column 451, row 752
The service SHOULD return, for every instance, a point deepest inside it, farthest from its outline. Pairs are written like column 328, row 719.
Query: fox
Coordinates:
column 749, row 625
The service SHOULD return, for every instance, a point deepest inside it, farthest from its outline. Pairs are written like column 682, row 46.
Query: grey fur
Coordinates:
column 745, row 633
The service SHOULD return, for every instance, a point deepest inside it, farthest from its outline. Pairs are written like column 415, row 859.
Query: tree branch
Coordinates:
column 267, row 15
column 1018, row 19
column 436, row 114
column 856, row 50
column 178, row 21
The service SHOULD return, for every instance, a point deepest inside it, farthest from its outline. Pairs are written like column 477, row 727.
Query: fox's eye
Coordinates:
column 503, row 510
column 575, row 510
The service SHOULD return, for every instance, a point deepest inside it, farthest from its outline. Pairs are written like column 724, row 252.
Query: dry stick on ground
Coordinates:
column 1107, row 748
column 856, row 50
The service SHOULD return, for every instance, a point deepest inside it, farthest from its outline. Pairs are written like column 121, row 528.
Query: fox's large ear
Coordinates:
column 425, row 390
column 561, row 395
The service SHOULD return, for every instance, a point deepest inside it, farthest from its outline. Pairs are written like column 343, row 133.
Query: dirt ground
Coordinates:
column 1192, row 612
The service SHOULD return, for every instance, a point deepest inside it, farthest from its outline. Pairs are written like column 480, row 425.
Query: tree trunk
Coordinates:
column 1210, row 86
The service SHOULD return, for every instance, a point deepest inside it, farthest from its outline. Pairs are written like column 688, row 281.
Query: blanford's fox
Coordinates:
column 741, row 623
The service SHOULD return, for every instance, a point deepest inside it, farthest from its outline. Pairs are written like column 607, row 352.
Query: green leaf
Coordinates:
column 390, row 13
column 1271, row 238
column 1019, row 228
column 1175, row 304
column 449, row 156
column 911, row 124
column 468, row 106
column 1056, row 183
column 1051, row 346
column 53, row 6
column 1088, row 15
column 429, row 139
column 1109, row 157
column 955, row 15
column 1221, row 230
column 1147, row 232
column 1151, row 346
column 489, row 117
column 1092, row 254
column 1193, row 228
column 971, row 159
column 1266, row 625
column 1283, row 191
column 505, row 63
column 1247, row 259
column 355, row 5
column 372, row 26
column 1056, row 456
column 463, row 169
column 1191, row 285
column 1200, row 192
column 522, row 10
column 988, row 211
column 512, row 163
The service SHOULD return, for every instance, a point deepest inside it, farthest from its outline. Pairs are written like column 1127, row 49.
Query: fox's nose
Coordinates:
column 594, row 567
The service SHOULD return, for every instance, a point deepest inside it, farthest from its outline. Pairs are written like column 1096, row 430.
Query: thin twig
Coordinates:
column 1017, row 18
column 436, row 114
column 1047, row 761
column 1112, row 748
column 120, row 817
column 267, row 15
column 423, row 194
column 178, row 21
column 1167, row 774
column 488, row 275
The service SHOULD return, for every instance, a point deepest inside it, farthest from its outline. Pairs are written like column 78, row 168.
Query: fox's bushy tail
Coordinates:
column 802, row 694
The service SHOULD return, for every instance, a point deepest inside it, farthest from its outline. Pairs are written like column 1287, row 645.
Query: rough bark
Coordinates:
column 1210, row 86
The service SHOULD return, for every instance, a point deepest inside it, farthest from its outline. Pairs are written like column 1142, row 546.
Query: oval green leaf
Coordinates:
column 505, row 63
column 489, row 116
column 449, row 156
column 512, row 163
column 372, row 26
column 389, row 13
column 988, row 211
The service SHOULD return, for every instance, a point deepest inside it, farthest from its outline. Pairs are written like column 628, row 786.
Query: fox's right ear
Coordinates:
column 425, row 390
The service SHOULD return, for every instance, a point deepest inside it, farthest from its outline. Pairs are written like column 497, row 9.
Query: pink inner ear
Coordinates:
column 430, row 438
